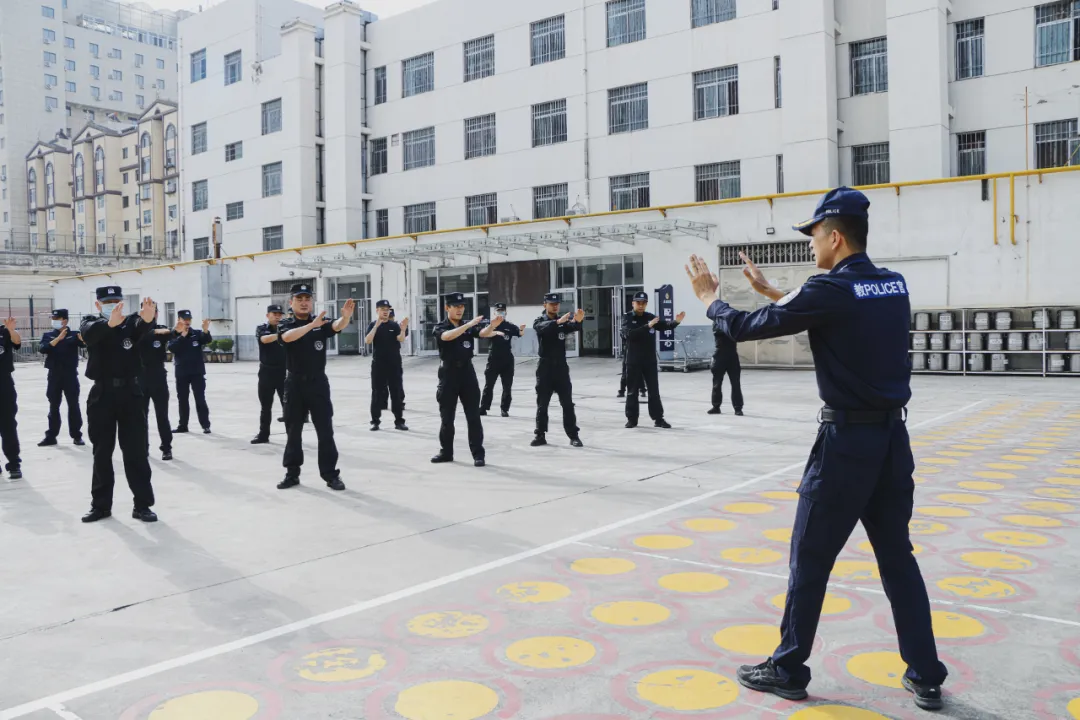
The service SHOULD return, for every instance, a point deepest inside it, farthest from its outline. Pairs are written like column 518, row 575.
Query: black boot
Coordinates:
column 713, row 411
column 442, row 457
column 145, row 514
column 662, row 423
column 47, row 442
column 539, row 440
column 334, row 483
column 260, row 440
column 576, row 441
column 288, row 482
column 95, row 515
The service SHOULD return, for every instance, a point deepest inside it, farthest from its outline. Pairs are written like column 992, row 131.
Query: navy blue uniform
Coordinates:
column 640, row 362
column 62, row 362
column 190, row 370
column 307, row 392
column 457, row 381
column 386, row 372
column 9, row 406
column 271, row 376
column 860, row 468
column 725, row 361
column 154, row 380
column 553, row 374
column 500, row 366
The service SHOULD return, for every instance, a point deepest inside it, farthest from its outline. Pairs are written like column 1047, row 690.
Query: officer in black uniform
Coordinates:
column 307, row 389
column 386, row 397
column 639, row 335
column 154, row 382
column 500, row 363
column 726, row 362
column 385, row 337
column 457, row 377
column 114, row 406
column 190, row 369
column 271, row 370
column 622, row 378
column 10, row 341
column 60, row 347
column 861, row 466
column 552, row 372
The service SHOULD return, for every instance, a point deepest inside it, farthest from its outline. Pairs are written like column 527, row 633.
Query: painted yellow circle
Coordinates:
column 630, row 613
column 748, row 639
column 780, row 495
column 450, row 625
column 1068, row 471
column 855, row 570
column 663, row 542
column 687, row 689
column 1071, row 461
column 709, row 525
column 993, row 475
column 1067, row 481
column 982, row 485
column 533, row 593
column 968, row 447
column 1030, row 451
column 1048, row 506
column 693, row 582
column 1058, row 492
column 550, row 652
column 446, row 700
column 867, row 547
column 926, row 527
column 340, row 664
column 954, row 453
column 1041, row 444
column 990, row 560
column 927, row 470
column 878, row 668
column 1074, row 708
column 833, row 605
column 917, row 443
column 939, row 461
column 980, row 588
column 955, row 626
column 751, row 556
column 778, row 534
column 749, row 508
column 836, row 712
column 1016, row 538
column 963, row 498
column 944, row 511
column 1035, row 521
column 602, row 566
column 1020, row 458
column 919, row 479
column 1004, row 466
column 217, row 704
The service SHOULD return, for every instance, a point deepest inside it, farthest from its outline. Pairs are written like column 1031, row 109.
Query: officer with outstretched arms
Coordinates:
column 860, row 467
column 500, row 363
column 385, row 337
column 190, row 369
column 114, row 406
column 10, row 341
column 154, row 381
column 271, row 370
column 552, row 372
column 60, row 347
column 639, row 334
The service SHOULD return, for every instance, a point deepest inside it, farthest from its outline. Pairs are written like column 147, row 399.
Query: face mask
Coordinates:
column 107, row 307
column 501, row 313
column 57, row 324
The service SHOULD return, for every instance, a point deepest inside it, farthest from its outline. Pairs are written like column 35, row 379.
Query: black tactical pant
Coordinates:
column 309, row 395
column 155, row 387
column 115, row 409
column 9, row 426
column 457, row 381
column 64, row 385
column 553, row 377
column 271, row 382
column 498, row 369
column 729, row 365
column 643, row 376
column 623, row 381
column 386, row 384
column 197, row 385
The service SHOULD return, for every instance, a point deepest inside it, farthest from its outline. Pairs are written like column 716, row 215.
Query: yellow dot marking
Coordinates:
column 1071, row 482
column 687, row 689
column 1031, row 451
column 867, row 547
column 878, row 668
column 1019, row 458
column 980, row 485
column 1056, row 492
column 750, row 640
column 1068, row 471
column 954, row 453
column 1074, row 708
column 340, row 664
column 990, row 560
column 778, row 535
column 980, row 588
column 533, row 593
column 1035, row 521
column 927, row 470
column 602, row 566
column 709, row 525
column 749, row 508
column 993, row 475
column 833, row 605
column 917, row 443
column 217, row 704
column 780, row 495
column 856, row 570
column 550, row 652
column 1015, row 538
column 693, row 582
column 663, row 542
column 630, row 613
column 1048, row 506
column 751, row 556
column 968, row 447
column 836, row 712
column 1041, row 444
column 446, row 700
column 954, row 626
column 926, row 527
column 1072, row 462
column 1004, row 466
column 919, row 480
column 450, row 625
column 963, row 498
column 939, row 461
column 944, row 511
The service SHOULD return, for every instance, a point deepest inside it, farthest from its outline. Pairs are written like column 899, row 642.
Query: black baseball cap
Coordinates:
column 383, row 303
column 59, row 314
column 274, row 309
column 552, row 298
column 843, row 201
column 109, row 292
column 301, row 289
column 184, row 314
column 453, row 299
column 641, row 296
column 500, row 306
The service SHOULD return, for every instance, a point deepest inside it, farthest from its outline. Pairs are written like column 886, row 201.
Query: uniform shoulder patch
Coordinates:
column 867, row 289
column 789, row 297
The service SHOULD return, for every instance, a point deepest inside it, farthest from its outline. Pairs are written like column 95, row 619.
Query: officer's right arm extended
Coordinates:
column 811, row 305
column 294, row 334
column 93, row 329
column 451, row 335
column 266, row 335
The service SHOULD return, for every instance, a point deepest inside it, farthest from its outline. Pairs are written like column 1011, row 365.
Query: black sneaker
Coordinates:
column 15, row 473
column 47, row 442
column 621, row 394
column 374, row 427
column 576, row 441
column 506, row 413
column 479, row 462
column 401, row 426
column 206, row 431
column 442, row 457
column 713, row 411
column 739, row 413
column 765, row 678
column 927, row 697
column 260, row 440
column 179, row 430
column 662, row 423
column 538, row 440
column 79, row 441
column 146, row 515
column 483, row 411
column 288, row 482
column 95, row 515
column 166, row 454
column 335, row 483
column 630, row 424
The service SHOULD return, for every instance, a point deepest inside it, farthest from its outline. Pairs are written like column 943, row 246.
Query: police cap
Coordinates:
column 383, row 303
column 184, row 314
column 843, row 201
column 109, row 292
column 552, row 298
column 641, row 296
column 275, row 309
column 500, row 306
column 300, row 289
column 59, row 314
column 453, row 299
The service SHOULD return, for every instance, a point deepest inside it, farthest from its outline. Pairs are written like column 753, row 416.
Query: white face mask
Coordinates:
column 57, row 324
column 107, row 307
column 501, row 313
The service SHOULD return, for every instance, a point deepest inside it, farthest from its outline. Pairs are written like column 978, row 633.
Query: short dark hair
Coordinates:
column 854, row 230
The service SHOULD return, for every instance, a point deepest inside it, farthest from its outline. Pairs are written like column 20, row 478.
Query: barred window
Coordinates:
column 380, row 85
column 1056, row 144
column 198, row 63
column 198, row 138
column 419, row 148
column 630, row 192
column 718, row 181
column 234, row 151
column 969, row 49
column 780, row 174
column 549, row 123
column 1057, row 33
column 200, row 248
column 480, row 136
column 779, row 253
column 869, row 66
column 271, row 179
column 548, row 40
column 419, row 218
column 200, row 195
column 716, row 92
column 418, row 75
column 549, row 201
column 482, row 209
column 625, row 21
column 273, row 238
column 628, row 108
column 709, row 12
column 870, row 164
column 378, row 156
column 233, row 71
column 234, row 211
column 382, row 223
column 971, row 153
column 778, row 95
column 271, row 117
column 480, row 58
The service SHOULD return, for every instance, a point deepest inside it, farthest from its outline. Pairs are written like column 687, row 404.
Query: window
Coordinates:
column 69, row 43
column 172, row 212
column 419, row 218
column 869, row 67
column 549, row 123
column 273, row 238
column 780, row 174
column 50, row 185
column 116, row 54
column 200, row 248
column 198, row 138
column 969, row 49
column 1056, row 144
column 101, row 202
column 708, row 12
column 50, row 80
column 629, row 192
column 198, row 66
column 159, row 84
column 95, row 92
column 625, row 21
column 200, row 195
column 101, row 229
column 870, row 164
column 549, row 201
column 378, row 157
column 480, row 136
column 160, row 64
column 127, row 224
column 418, row 75
column 382, row 223
column 232, row 68
column 146, row 192
column 777, row 90
column 628, row 108
column 548, row 40
column 50, row 59
column 80, row 168
column 94, row 50
column 117, row 96
column 775, row 4
column 48, row 36
column 234, row 211
column 717, row 181
column 139, row 60
column 971, row 153
column 146, row 218
column 69, row 65
column 140, row 81
column 482, row 210
column 1057, row 33
column 99, row 170
column 116, row 75
column 271, row 179
column 480, row 58
column 419, row 148
column 234, row 151
column 126, row 201
column 380, row 85
column 95, row 72
column 271, row 117
column 716, row 93
column 48, row 12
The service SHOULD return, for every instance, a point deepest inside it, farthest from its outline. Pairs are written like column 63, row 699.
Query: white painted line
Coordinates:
column 191, row 658
column 64, row 712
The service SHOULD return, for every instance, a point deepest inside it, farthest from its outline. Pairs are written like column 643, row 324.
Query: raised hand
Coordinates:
column 755, row 276
column 63, row 333
column 522, row 327
column 404, row 323
column 348, row 308
column 652, row 323
column 497, row 321
column 476, row 320
column 680, row 316
column 579, row 315
column 566, row 318
column 10, row 324
column 320, row 320
column 705, row 284
column 180, row 329
column 147, row 310
column 206, row 325
column 116, row 317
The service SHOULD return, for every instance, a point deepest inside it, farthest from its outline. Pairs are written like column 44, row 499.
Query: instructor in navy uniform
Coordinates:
column 385, row 337
column 190, row 369
column 552, row 372
column 500, row 363
column 639, row 334
column 154, row 381
column 860, row 467
column 60, row 347
column 271, row 370
column 10, row 341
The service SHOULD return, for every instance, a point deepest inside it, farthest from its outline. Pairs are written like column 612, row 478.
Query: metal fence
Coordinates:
column 126, row 246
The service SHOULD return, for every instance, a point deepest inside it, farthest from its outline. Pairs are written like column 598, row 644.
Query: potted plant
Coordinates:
column 222, row 350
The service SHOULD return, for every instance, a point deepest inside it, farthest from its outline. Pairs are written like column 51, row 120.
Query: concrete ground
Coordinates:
column 626, row 579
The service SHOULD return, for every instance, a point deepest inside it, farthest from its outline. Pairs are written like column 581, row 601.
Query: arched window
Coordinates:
column 50, row 186
column 145, row 141
column 99, row 169
column 144, row 153
column 170, row 146
column 31, row 188
column 79, row 170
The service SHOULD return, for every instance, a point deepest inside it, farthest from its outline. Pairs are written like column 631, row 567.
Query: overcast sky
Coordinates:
column 382, row 8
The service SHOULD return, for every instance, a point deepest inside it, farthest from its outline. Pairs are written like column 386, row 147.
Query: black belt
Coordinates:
column 305, row 378
column 861, row 417
column 117, row 382
column 456, row 363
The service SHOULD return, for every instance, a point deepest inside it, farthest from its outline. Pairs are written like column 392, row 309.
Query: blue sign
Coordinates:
column 666, row 297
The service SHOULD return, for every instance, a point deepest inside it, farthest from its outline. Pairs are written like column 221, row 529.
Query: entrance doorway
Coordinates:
column 604, row 288
column 597, row 330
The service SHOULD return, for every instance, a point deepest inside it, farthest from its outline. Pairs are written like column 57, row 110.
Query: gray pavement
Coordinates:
column 626, row 579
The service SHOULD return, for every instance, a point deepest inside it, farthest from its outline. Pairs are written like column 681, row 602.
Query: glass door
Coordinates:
column 618, row 309
column 568, row 303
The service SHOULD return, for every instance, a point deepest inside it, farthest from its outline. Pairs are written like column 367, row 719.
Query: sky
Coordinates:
column 382, row 8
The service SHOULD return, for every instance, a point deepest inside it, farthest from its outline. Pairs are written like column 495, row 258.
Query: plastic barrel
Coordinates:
column 922, row 321
column 982, row 321
column 977, row 363
column 945, row 321
column 1057, row 362
column 975, row 341
column 918, row 341
column 997, row 363
column 955, row 362
column 1016, row 341
column 1003, row 320
column 956, row 341
column 918, row 361
column 1067, row 319
column 937, row 341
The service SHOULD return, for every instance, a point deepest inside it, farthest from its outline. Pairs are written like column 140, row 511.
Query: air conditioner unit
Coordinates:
column 48, row 87
column 48, row 109
column 48, row 63
column 512, row 218
column 48, row 42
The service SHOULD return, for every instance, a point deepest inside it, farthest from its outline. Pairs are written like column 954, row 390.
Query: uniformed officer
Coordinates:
column 307, row 389
column 385, row 337
column 271, row 370
column 114, row 406
column 190, row 369
column 386, row 397
column 622, row 379
column 861, row 466
column 552, row 372
column 500, row 363
column 639, row 334
column 10, row 341
column 457, row 377
column 60, row 347
column 726, row 362
column 154, row 382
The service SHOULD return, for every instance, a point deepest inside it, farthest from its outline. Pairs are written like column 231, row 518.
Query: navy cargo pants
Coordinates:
column 857, row 473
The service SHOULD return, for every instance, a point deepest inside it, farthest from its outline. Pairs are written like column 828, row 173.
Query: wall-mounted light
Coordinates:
column 770, row 231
